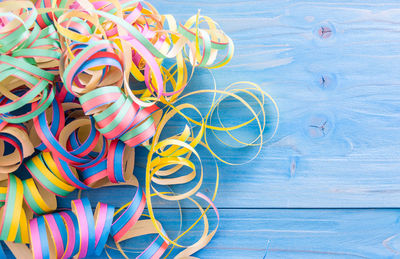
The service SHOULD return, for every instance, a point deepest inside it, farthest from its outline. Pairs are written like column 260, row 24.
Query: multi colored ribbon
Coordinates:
column 79, row 233
column 29, row 59
column 84, row 82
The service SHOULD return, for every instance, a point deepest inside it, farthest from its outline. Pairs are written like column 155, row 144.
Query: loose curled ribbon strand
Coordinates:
column 84, row 82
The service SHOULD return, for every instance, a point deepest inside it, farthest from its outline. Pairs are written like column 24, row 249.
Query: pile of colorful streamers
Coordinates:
column 84, row 82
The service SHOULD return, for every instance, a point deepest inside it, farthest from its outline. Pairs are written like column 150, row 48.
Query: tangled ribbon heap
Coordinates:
column 84, row 82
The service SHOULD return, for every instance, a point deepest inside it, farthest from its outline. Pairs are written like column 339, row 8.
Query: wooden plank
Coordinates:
column 355, row 164
column 363, row 184
column 289, row 233
column 339, row 95
column 348, row 83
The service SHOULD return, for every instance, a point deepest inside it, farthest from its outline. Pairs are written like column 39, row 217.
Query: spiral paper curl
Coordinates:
column 84, row 82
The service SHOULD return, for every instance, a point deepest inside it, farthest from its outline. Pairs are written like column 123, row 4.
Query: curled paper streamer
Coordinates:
column 15, row 135
column 117, row 116
column 29, row 59
column 79, row 233
column 84, row 82
column 69, row 234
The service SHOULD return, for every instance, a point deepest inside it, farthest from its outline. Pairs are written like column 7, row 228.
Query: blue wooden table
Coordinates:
column 328, row 184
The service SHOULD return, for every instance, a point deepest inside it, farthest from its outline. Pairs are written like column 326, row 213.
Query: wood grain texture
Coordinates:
column 347, row 82
column 355, row 164
column 286, row 233
column 333, row 68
